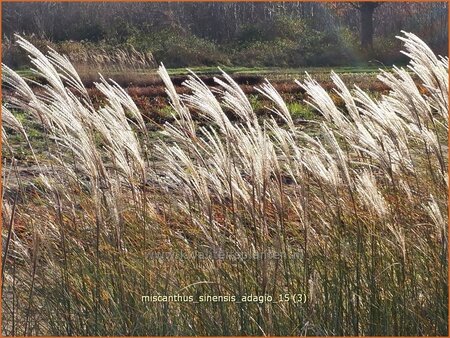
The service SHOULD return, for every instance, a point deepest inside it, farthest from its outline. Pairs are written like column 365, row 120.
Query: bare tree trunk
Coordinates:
column 367, row 9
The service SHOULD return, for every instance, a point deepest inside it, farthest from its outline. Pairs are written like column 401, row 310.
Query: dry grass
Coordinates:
column 357, row 215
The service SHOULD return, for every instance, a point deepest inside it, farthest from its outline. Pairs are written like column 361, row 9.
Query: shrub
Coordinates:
column 280, row 52
column 179, row 48
column 291, row 42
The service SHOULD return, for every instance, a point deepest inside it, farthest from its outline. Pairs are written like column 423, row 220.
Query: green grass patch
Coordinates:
column 301, row 111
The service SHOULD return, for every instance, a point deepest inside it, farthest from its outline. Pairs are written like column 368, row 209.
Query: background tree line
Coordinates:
column 243, row 34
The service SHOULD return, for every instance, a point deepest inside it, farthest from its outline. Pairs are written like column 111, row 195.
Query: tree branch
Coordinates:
column 354, row 5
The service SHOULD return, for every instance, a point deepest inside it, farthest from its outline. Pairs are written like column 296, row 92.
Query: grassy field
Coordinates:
column 150, row 76
column 188, row 205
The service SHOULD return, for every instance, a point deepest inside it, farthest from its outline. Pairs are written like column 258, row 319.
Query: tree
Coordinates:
column 366, row 9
